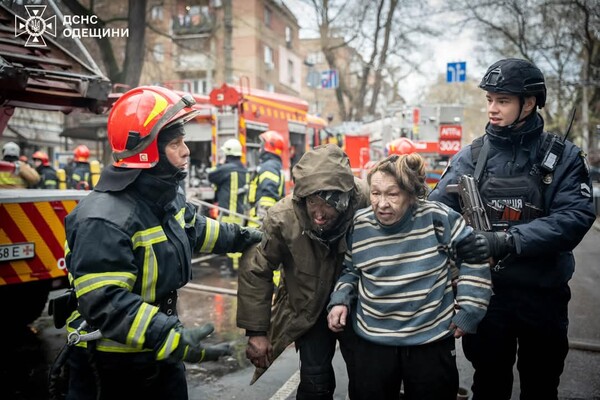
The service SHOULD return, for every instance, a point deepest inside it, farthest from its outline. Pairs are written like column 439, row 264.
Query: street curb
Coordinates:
column 597, row 224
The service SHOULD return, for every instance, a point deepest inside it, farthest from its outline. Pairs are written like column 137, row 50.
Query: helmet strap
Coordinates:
column 518, row 120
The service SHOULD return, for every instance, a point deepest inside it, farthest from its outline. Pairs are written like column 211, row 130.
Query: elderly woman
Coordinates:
column 397, row 289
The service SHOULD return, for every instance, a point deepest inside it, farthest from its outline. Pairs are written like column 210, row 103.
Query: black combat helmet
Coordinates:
column 517, row 77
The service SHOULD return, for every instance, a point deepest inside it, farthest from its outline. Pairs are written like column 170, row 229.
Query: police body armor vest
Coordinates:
column 512, row 199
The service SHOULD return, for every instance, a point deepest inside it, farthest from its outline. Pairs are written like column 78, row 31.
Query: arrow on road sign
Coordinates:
column 456, row 72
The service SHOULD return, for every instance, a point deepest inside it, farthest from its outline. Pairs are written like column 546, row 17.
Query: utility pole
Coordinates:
column 227, row 47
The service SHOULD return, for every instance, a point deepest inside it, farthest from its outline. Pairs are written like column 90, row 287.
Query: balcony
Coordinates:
column 198, row 21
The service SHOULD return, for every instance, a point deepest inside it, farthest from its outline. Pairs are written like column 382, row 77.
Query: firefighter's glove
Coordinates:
column 188, row 346
column 480, row 246
column 250, row 236
column 212, row 353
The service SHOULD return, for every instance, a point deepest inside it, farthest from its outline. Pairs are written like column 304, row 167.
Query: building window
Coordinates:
column 200, row 86
column 158, row 52
column 156, row 13
column 269, row 58
column 288, row 37
column 269, row 87
column 268, row 15
column 315, row 57
column 290, row 71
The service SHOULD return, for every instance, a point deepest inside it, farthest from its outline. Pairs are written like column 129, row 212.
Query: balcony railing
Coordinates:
column 193, row 24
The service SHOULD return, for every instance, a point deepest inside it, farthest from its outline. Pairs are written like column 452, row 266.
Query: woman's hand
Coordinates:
column 457, row 331
column 336, row 319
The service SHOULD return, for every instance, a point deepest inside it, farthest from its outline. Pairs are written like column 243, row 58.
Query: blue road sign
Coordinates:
column 329, row 79
column 456, row 72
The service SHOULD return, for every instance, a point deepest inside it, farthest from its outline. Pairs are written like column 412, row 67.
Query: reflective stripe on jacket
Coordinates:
column 125, row 254
column 230, row 180
column 268, row 186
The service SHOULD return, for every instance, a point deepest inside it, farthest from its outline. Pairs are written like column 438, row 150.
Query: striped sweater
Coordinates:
column 397, row 279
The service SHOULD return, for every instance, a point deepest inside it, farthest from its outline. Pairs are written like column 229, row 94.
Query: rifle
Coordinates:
column 472, row 206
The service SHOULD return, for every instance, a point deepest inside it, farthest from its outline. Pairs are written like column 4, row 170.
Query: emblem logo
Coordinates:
column 35, row 26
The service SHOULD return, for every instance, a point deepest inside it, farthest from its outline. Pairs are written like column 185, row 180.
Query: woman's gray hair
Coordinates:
column 408, row 170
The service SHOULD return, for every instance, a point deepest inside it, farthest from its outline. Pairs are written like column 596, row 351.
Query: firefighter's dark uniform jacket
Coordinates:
column 230, row 179
column 544, row 245
column 268, row 186
column 128, row 251
column 48, row 180
column 310, row 264
column 81, row 176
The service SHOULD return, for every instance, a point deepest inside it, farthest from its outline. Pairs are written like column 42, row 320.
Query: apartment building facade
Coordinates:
column 197, row 45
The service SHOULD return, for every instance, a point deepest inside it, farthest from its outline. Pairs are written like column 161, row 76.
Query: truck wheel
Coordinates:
column 24, row 303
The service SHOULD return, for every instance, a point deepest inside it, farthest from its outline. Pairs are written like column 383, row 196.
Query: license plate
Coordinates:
column 19, row 251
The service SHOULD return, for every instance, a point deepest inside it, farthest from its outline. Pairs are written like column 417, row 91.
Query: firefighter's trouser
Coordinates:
column 317, row 348
column 124, row 376
column 528, row 323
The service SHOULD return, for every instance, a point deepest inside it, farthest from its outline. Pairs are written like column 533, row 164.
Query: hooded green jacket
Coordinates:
column 310, row 265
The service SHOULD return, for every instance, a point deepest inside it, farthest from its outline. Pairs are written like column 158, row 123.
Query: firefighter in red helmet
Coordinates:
column 129, row 248
column 80, row 175
column 268, row 185
column 47, row 173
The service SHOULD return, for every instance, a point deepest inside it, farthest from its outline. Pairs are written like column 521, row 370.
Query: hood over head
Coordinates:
column 324, row 168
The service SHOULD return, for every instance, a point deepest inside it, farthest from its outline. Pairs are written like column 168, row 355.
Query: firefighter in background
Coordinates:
column 47, row 173
column 129, row 248
column 230, row 180
column 81, row 175
column 15, row 173
column 268, row 185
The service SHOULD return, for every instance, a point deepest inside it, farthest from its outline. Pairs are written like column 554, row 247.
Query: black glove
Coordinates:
column 212, row 353
column 480, row 246
column 190, row 348
column 250, row 236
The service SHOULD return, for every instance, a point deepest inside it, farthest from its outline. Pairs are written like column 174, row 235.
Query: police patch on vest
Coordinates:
column 514, row 202
column 585, row 190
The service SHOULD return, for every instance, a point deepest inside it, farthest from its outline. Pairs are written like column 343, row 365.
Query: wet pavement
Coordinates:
column 28, row 353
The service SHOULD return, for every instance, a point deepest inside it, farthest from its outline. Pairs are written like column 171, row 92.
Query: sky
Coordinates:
column 453, row 48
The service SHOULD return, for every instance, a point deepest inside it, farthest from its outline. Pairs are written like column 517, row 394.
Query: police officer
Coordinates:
column 15, row 173
column 230, row 180
column 537, row 192
column 268, row 185
column 81, row 176
column 129, row 248
column 47, row 173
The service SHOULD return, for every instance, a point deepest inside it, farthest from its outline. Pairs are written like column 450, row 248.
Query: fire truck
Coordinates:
column 47, row 78
column 432, row 131
column 244, row 113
